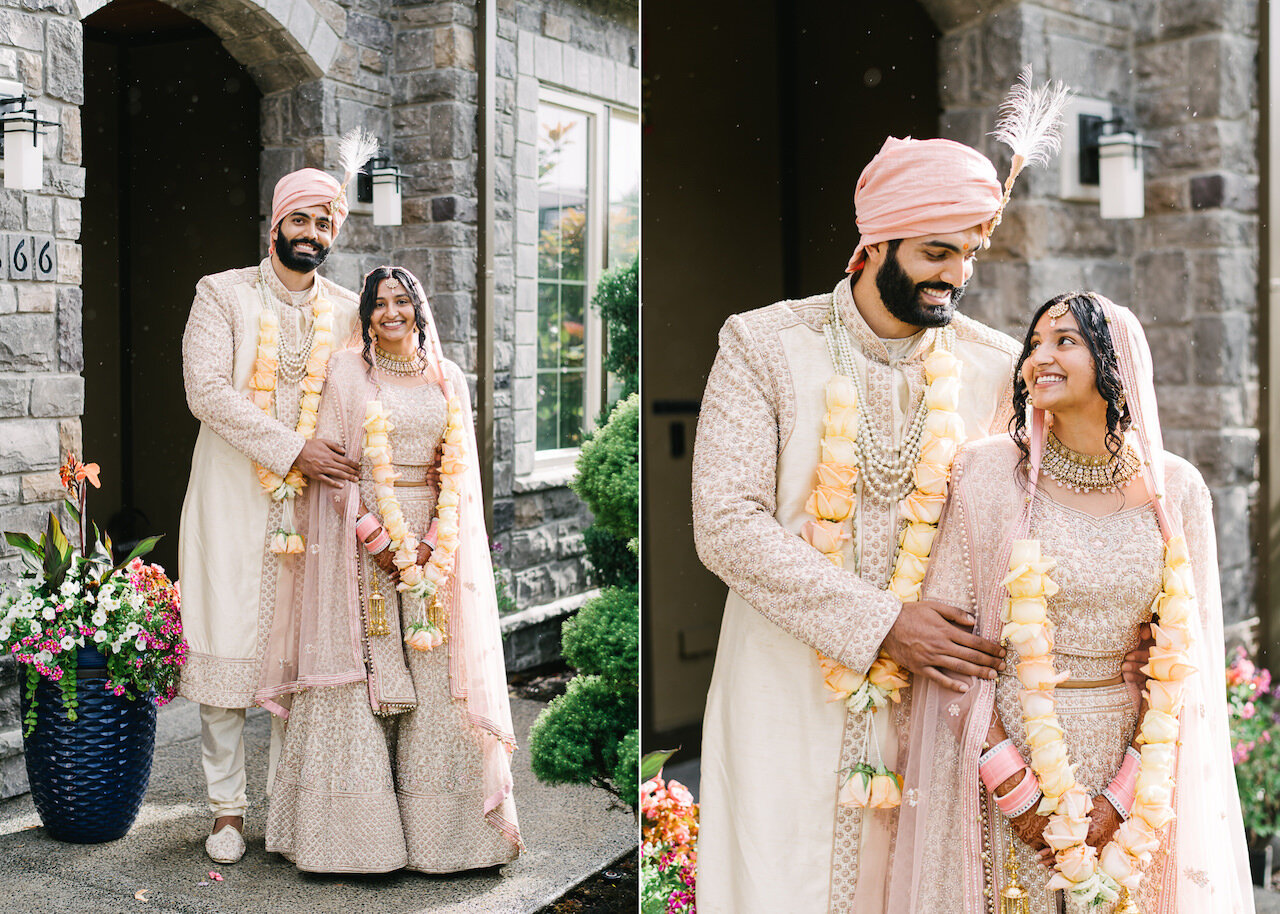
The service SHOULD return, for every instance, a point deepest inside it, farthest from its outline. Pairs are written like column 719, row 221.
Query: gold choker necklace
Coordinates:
column 1087, row 472
column 399, row 364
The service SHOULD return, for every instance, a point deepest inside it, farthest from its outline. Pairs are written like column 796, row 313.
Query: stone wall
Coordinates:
column 1187, row 74
column 41, row 392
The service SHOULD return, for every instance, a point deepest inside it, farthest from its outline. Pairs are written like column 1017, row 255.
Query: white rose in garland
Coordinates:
column 424, row 583
column 834, row 502
column 1079, row 869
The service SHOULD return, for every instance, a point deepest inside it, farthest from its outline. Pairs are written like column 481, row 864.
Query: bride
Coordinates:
column 1057, row 788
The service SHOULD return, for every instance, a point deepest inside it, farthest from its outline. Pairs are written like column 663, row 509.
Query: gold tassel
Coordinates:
column 436, row 615
column 378, row 613
column 1014, row 898
column 1127, row 905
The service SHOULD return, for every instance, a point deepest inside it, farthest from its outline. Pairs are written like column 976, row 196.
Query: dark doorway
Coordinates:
column 756, row 129
column 171, row 149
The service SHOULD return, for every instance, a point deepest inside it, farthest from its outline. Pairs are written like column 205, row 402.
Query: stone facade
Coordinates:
column 406, row 71
column 1187, row 75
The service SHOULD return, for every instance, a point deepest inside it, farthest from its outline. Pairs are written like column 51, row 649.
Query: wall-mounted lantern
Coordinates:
column 380, row 185
column 23, row 138
column 1110, row 157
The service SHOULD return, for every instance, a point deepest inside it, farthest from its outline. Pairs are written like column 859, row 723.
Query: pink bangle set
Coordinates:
column 1019, row 800
column 372, row 534
column 1121, row 790
column 999, row 764
column 430, row 537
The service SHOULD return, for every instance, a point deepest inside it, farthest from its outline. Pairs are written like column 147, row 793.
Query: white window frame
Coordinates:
column 598, row 113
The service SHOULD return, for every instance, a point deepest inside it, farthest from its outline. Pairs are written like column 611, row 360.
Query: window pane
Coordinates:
column 572, row 409
column 548, row 410
column 572, row 325
column 548, row 325
column 564, row 141
column 624, row 189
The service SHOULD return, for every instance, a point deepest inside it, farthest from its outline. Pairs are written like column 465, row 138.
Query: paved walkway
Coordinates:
column 571, row 832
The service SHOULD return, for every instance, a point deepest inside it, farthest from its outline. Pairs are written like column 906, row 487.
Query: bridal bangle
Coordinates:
column 1120, row 792
column 1001, row 762
column 379, row 542
column 366, row 526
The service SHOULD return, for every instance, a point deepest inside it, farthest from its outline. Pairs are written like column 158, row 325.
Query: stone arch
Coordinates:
column 280, row 42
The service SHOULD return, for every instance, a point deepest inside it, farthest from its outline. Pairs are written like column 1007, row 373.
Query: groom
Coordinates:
column 230, row 575
column 773, row 836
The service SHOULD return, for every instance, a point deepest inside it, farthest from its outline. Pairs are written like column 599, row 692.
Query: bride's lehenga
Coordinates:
column 1109, row 573
column 355, row 792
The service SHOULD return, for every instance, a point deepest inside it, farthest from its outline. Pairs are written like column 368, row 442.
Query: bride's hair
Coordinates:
column 368, row 303
column 1087, row 310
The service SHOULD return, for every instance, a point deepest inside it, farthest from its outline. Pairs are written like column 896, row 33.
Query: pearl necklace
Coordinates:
column 1088, row 472
column 886, row 471
column 291, row 366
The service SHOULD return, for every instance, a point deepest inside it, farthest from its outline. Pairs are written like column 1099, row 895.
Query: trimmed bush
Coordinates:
column 617, row 299
column 575, row 739
column 626, row 771
column 609, row 471
column 603, row 638
column 613, row 564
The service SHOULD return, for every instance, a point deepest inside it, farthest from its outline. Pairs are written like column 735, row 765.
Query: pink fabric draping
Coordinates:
column 938, row 854
column 309, row 187
column 920, row 187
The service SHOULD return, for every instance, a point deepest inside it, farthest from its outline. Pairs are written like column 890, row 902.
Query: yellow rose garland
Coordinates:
column 834, row 501
column 262, row 386
column 1079, row 868
column 425, row 582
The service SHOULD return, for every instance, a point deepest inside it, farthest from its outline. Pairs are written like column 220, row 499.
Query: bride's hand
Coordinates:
column 385, row 561
column 1131, row 669
column 1103, row 822
column 1030, row 828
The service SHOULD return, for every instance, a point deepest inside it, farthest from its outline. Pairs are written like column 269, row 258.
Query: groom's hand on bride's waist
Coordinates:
column 936, row 641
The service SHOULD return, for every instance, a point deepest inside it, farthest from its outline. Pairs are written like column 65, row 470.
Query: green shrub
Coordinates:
column 625, row 771
column 613, row 564
column 575, row 738
column 609, row 471
column 603, row 638
column 617, row 299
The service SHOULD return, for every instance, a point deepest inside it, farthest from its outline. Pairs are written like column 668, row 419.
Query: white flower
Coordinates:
column 44, row 657
column 99, row 618
column 4, row 633
column 68, row 588
column 67, row 642
column 99, row 636
column 36, row 629
column 48, row 613
column 141, row 643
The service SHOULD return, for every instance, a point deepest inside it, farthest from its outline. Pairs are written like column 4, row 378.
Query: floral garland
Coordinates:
column 425, row 583
column 834, row 501
column 262, row 386
column 1079, row 868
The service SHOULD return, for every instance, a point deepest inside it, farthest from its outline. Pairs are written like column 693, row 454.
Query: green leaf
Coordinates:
column 26, row 544
column 651, row 763
column 72, row 509
column 144, row 546
column 57, row 553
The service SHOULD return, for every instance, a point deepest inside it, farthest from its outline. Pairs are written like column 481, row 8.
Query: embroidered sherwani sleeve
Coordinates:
column 738, row 538
column 208, row 358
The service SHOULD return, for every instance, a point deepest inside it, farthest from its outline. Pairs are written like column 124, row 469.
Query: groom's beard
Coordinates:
column 901, row 296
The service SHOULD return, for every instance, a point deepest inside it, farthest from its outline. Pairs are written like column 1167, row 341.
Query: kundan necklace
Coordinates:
column 1088, row 472
column 917, row 473
column 309, row 365
column 402, row 365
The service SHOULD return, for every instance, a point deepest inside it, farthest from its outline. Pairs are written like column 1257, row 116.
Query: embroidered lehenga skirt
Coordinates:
column 358, row 793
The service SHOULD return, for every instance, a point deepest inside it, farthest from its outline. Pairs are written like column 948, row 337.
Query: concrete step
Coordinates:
column 571, row 832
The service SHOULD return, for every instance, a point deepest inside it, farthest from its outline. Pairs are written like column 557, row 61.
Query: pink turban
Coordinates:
column 308, row 187
column 922, row 187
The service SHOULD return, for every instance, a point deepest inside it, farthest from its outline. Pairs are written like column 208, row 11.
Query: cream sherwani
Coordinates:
column 227, row 572
column 772, row 837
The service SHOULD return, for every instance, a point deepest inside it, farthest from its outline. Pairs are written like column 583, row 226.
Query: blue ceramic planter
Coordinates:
column 88, row 776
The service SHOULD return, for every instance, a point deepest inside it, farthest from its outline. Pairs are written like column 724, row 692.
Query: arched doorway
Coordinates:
column 171, row 150
column 756, row 129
